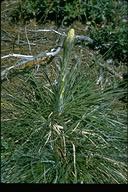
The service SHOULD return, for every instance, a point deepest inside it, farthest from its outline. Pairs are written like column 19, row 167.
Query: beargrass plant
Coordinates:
column 63, row 132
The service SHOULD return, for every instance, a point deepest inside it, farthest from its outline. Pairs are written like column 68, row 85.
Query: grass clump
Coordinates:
column 63, row 132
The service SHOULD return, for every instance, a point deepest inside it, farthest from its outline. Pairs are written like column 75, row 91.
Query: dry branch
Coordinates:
column 30, row 60
column 77, row 37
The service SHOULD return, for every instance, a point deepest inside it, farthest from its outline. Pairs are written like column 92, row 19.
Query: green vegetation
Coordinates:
column 107, row 20
column 60, row 127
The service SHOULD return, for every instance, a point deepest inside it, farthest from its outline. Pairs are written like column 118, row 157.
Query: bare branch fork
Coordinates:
column 77, row 37
column 30, row 60
column 26, row 59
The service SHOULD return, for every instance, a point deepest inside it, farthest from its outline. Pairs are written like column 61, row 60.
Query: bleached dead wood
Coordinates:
column 25, row 59
column 48, row 30
column 77, row 37
column 17, row 56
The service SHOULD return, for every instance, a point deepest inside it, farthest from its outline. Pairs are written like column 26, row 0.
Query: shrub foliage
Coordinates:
column 107, row 20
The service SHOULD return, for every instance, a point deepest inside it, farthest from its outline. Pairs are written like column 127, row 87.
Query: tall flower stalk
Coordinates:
column 67, row 45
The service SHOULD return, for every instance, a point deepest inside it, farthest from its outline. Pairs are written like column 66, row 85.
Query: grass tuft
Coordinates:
column 85, row 143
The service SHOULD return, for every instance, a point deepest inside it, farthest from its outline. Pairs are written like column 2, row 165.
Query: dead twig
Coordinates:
column 77, row 37
column 29, row 46
column 28, row 61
